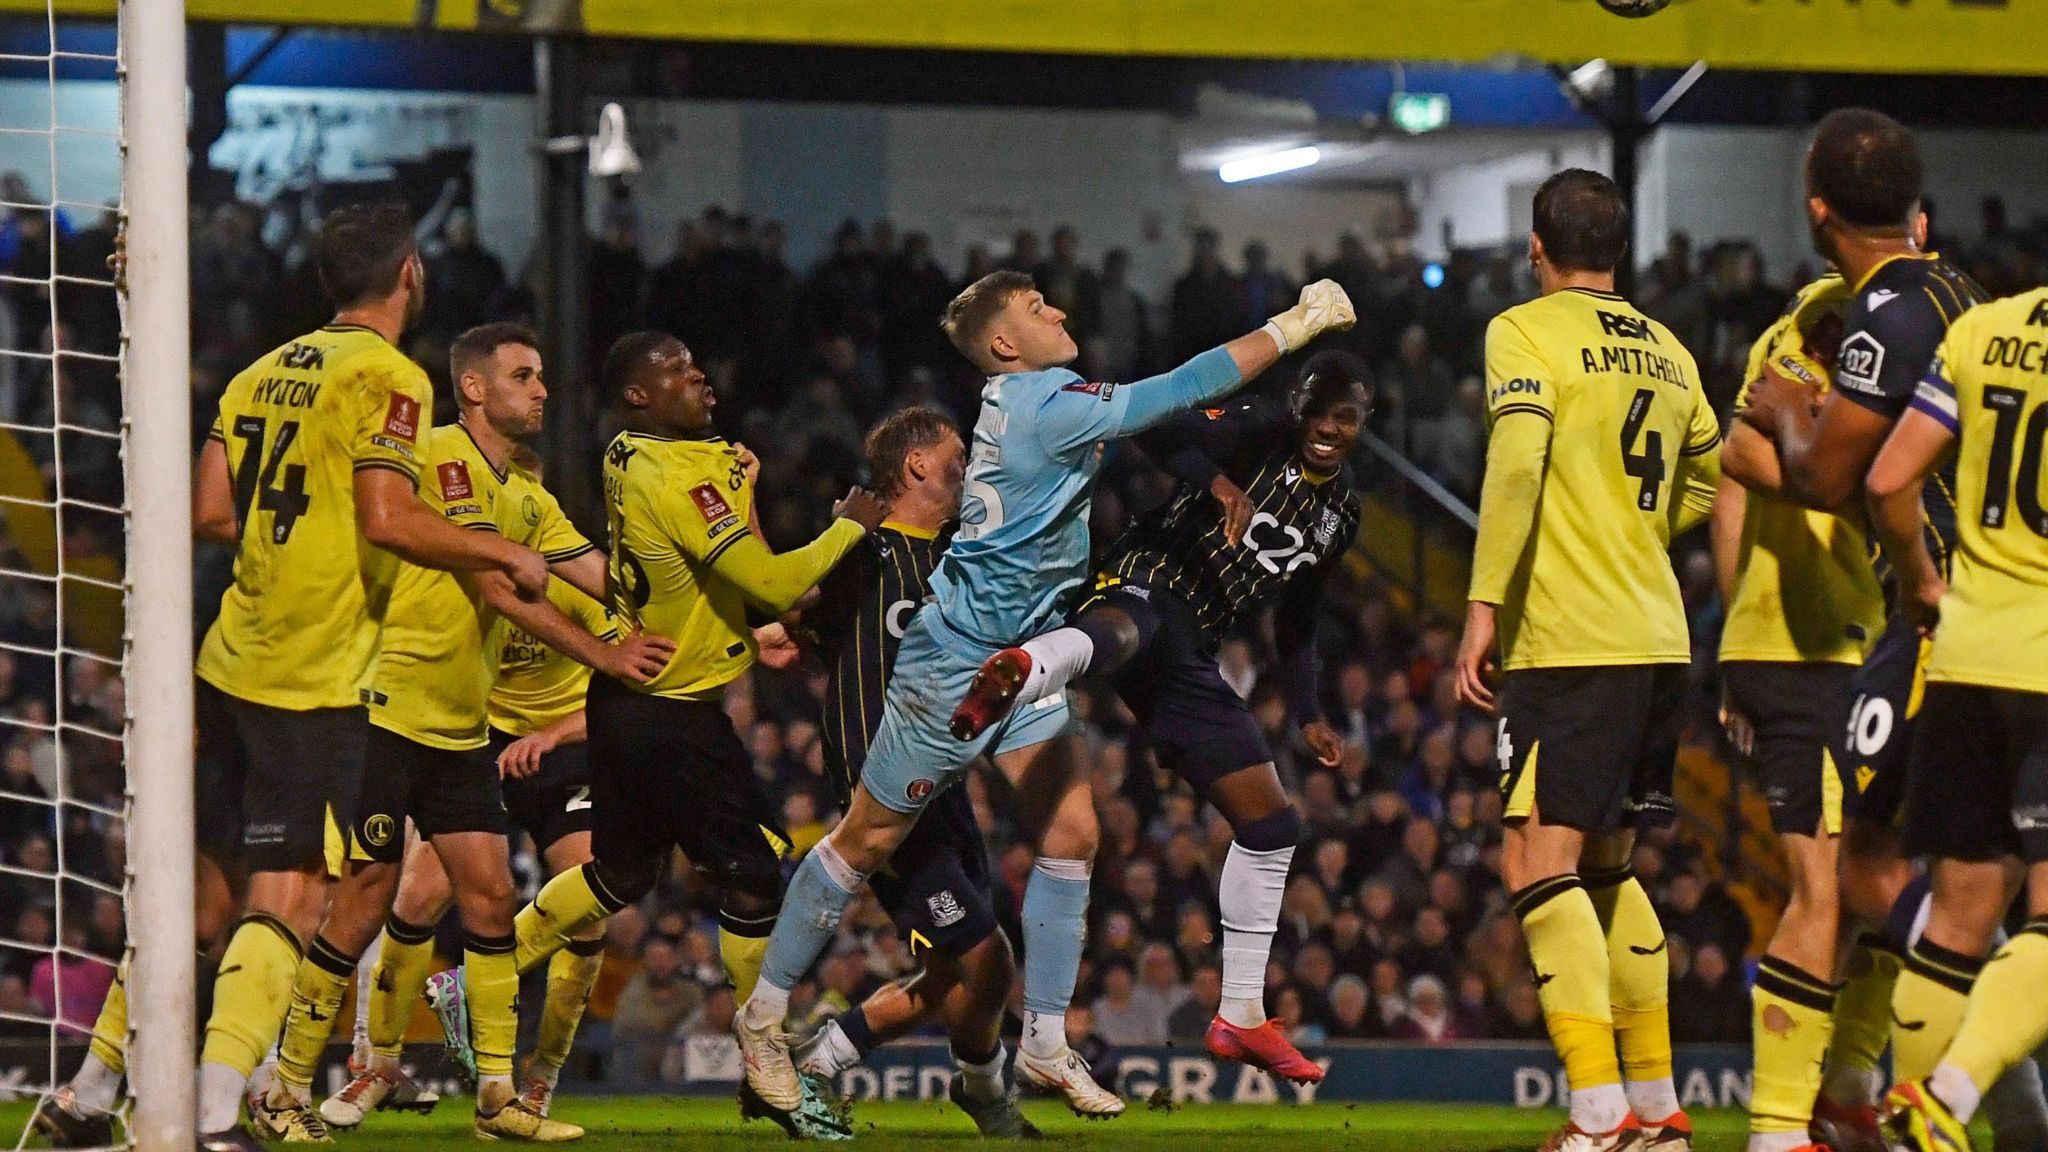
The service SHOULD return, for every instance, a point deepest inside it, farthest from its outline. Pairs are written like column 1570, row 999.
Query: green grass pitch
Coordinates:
column 617, row 1124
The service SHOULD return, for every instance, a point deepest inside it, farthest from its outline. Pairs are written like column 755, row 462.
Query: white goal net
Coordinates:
column 95, row 559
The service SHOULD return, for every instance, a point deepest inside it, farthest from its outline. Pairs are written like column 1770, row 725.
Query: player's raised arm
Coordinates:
column 777, row 581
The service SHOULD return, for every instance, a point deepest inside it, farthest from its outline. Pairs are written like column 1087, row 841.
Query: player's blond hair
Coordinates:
column 971, row 313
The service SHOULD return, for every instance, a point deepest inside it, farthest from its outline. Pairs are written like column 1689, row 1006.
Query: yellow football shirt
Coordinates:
column 298, row 627
column 1989, row 385
column 536, row 684
column 1805, row 589
column 675, row 509
column 1596, row 414
column 438, row 656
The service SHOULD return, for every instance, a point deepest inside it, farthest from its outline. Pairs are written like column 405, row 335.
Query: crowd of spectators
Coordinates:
column 1395, row 924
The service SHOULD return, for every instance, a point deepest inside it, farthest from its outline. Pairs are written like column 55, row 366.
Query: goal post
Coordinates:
column 155, row 371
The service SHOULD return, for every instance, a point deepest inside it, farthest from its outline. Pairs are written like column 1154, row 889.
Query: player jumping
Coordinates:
column 1602, row 450
column 1021, row 551
column 1176, row 582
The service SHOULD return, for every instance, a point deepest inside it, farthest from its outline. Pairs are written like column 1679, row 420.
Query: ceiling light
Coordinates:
column 1272, row 163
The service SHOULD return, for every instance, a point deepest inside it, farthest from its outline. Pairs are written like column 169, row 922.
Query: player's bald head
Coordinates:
column 1866, row 168
column 631, row 358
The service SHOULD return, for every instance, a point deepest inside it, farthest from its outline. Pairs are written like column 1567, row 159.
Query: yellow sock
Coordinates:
column 1792, row 1014
column 317, row 991
column 490, row 985
column 1639, row 971
column 571, row 974
column 1927, row 1007
column 567, row 906
column 741, row 946
column 251, row 993
column 110, row 1030
column 1863, row 1018
column 1569, row 953
column 403, row 965
column 2007, row 1018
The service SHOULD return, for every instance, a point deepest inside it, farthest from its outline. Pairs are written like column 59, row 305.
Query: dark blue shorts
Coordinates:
column 939, row 884
column 1876, row 748
column 1198, row 726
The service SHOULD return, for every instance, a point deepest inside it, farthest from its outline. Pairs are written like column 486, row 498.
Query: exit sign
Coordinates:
column 1419, row 112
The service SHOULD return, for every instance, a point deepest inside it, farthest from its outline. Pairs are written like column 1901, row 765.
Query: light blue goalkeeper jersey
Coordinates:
column 1022, row 546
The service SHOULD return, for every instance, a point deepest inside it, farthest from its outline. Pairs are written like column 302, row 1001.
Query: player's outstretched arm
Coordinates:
column 391, row 516
column 1323, row 307
column 777, row 582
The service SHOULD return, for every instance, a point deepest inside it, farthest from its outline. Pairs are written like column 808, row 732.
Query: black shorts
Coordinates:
column 1197, row 724
column 276, row 786
column 938, row 884
column 1876, row 744
column 1798, row 711
column 1591, row 748
column 1978, row 789
column 554, row 802
column 670, row 773
column 441, row 790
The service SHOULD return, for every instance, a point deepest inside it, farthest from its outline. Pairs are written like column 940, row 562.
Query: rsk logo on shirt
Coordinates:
column 402, row 418
column 455, row 483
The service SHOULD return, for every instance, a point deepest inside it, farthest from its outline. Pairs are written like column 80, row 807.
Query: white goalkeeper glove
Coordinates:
column 1323, row 308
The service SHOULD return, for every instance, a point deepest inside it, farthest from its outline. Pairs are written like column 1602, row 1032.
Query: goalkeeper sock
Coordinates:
column 405, row 958
column 565, row 908
column 317, row 992
column 490, row 988
column 1928, row 1004
column 1569, row 954
column 571, row 974
column 1863, row 1021
column 1055, row 914
column 818, row 894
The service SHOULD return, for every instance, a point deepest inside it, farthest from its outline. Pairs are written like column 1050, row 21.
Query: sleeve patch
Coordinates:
column 454, row 477
column 1860, row 364
column 1105, row 391
column 402, row 418
column 710, row 504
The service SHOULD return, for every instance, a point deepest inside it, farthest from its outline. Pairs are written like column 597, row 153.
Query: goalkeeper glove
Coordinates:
column 1323, row 308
